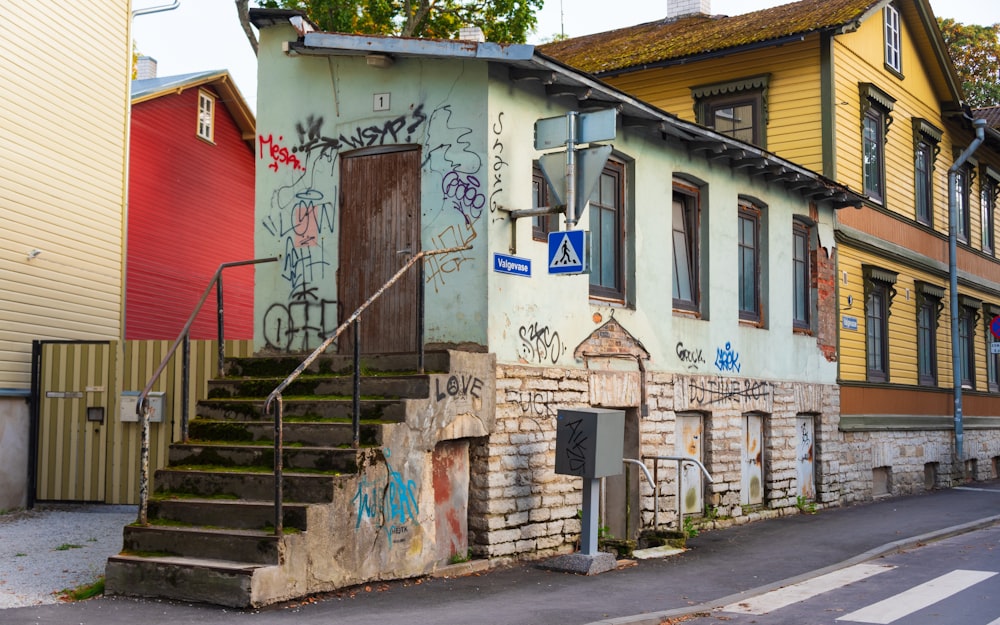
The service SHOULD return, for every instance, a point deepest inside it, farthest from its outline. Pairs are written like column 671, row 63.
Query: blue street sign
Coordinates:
column 568, row 251
column 502, row 263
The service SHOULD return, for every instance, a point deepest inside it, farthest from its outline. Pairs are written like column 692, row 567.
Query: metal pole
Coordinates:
column 571, row 215
column 356, row 403
column 420, row 318
column 278, row 468
column 222, row 327
column 956, row 363
column 656, row 494
column 588, row 529
column 185, row 385
column 680, row 493
column 143, row 409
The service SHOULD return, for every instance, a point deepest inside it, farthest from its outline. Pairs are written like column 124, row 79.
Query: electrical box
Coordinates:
column 130, row 399
column 590, row 442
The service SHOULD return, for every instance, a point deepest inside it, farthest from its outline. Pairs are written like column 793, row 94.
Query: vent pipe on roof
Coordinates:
column 145, row 67
column 687, row 8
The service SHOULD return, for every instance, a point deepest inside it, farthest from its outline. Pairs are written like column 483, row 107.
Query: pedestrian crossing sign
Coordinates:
column 568, row 252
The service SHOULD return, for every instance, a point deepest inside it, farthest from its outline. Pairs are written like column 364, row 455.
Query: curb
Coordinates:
column 657, row 618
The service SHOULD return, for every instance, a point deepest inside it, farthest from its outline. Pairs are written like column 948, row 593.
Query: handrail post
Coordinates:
column 680, row 494
column 278, row 468
column 185, row 385
column 143, row 409
column 222, row 327
column 420, row 318
column 656, row 494
column 356, row 394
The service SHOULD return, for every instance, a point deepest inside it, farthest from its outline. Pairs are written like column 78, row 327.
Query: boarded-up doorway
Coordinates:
column 690, row 444
column 805, row 465
column 752, row 482
column 379, row 231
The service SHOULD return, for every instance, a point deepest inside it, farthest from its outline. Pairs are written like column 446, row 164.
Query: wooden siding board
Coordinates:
column 61, row 188
column 191, row 206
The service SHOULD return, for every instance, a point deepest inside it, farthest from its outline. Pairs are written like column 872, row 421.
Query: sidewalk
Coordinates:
column 718, row 567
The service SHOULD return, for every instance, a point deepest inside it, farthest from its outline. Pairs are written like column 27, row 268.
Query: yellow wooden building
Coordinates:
column 864, row 92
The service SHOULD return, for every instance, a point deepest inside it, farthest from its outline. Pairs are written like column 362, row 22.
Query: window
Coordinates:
column 929, row 305
column 893, row 39
column 988, row 205
column 801, row 276
column 737, row 108
column 879, row 292
column 749, row 262
column 992, row 360
column 962, row 210
column 206, row 116
column 968, row 317
column 685, row 219
column 926, row 146
column 875, row 121
column 607, row 234
column 541, row 225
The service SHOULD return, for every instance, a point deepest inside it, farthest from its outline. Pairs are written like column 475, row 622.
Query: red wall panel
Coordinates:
column 190, row 209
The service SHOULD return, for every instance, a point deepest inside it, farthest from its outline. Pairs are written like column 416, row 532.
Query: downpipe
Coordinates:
column 956, row 363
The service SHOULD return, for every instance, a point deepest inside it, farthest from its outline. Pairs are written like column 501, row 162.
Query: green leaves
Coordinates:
column 975, row 50
column 502, row 21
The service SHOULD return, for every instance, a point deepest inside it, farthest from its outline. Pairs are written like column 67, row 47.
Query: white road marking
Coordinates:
column 917, row 598
column 788, row 595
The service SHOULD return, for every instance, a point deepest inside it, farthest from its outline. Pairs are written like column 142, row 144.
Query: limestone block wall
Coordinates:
column 520, row 507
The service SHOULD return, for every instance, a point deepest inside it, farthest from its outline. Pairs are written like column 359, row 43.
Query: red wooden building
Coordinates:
column 190, row 205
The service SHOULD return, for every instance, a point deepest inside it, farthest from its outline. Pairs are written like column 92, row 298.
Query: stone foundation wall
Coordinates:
column 520, row 508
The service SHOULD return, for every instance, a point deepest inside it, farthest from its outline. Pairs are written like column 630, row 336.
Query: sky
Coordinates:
column 203, row 35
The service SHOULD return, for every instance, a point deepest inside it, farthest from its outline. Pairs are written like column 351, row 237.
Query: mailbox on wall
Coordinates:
column 590, row 442
column 130, row 399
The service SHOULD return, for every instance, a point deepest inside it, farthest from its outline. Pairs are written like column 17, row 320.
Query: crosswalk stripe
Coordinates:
column 788, row 595
column 917, row 598
column 996, row 622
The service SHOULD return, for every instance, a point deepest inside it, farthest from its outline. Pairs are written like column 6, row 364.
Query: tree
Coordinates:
column 502, row 21
column 975, row 50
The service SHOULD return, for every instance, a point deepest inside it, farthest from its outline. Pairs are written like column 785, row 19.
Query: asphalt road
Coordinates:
column 719, row 567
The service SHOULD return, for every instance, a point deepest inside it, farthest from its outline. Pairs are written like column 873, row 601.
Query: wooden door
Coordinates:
column 379, row 231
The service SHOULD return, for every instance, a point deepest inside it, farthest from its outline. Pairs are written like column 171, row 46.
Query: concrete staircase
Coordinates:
column 210, row 536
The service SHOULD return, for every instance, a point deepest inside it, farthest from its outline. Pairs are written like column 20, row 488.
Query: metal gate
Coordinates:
column 379, row 231
column 752, row 482
column 73, row 386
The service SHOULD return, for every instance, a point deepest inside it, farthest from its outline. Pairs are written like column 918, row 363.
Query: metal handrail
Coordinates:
column 142, row 404
column 680, row 480
column 275, row 395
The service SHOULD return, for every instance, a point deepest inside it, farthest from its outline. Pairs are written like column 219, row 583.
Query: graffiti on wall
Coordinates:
column 540, row 344
column 389, row 501
column 499, row 165
column 536, row 403
column 727, row 359
column 707, row 391
column 304, row 210
column 692, row 358
column 439, row 268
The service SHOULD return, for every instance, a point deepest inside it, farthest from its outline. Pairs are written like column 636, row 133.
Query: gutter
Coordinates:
column 956, row 365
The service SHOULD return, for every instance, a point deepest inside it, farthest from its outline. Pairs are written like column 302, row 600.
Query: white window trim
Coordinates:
column 206, row 107
column 893, row 39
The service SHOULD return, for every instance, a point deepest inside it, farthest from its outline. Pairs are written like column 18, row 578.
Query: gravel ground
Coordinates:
column 56, row 547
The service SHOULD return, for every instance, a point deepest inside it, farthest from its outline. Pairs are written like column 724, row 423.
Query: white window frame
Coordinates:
column 206, row 116
column 893, row 39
